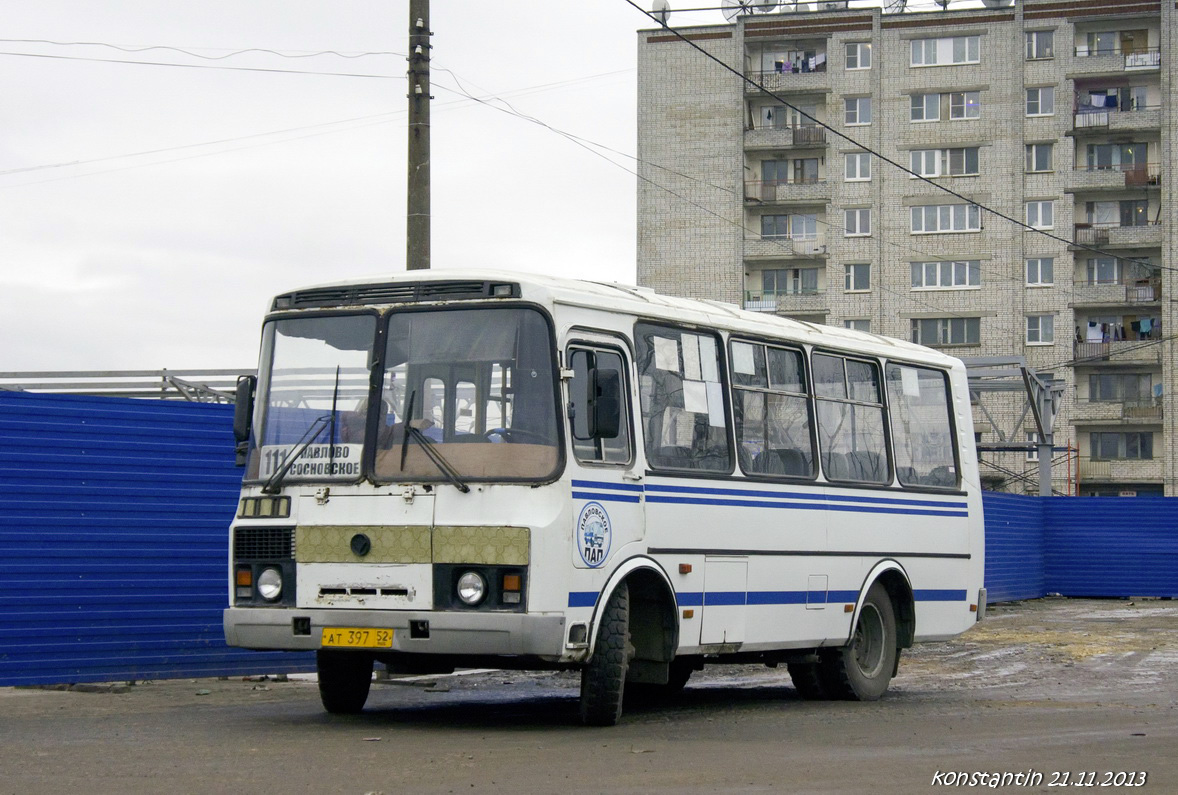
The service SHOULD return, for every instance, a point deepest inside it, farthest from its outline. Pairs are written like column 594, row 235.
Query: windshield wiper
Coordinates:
column 274, row 484
column 427, row 446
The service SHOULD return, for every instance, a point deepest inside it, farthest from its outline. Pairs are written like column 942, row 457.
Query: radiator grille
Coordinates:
column 387, row 293
column 263, row 543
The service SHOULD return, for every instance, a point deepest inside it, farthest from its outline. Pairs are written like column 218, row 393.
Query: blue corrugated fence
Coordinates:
column 114, row 539
column 114, row 542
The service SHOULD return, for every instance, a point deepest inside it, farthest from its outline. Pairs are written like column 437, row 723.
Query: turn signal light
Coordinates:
column 511, row 582
column 245, row 577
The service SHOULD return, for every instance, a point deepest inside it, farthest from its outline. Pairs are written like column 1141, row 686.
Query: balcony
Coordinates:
column 786, row 301
column 805, row 191
column 1117, row 352
column 778, row 247
column 1120, row 470
column 1087, row 293
column 1089, row 62
column 807, row 76
column 1094, row 121
column 1106, row 412
column 771, row 137
column 1119, row 177
column 1117, row 236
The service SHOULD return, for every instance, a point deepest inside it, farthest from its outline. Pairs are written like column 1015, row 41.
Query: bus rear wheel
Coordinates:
column 861, row 670
column 603, row 678
column 344, row 680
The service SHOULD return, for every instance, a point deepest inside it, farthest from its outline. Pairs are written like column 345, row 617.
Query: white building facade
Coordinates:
column 778, row 196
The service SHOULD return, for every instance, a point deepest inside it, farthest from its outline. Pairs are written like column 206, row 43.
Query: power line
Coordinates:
column 200, row 66
column 147, row 48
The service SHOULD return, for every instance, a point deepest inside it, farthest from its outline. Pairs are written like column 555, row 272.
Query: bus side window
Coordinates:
column 772, row 410
column 601, row 450
column 850, row 419
column 684, row 418
column 921, row 430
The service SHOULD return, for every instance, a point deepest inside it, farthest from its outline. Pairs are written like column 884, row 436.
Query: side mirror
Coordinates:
column 605, row 403
column 243, row 412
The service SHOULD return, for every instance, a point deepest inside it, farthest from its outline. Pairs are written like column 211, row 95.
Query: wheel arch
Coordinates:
column 654, row 609
column 894, row 579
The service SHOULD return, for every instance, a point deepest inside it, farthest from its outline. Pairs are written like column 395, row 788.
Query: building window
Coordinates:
column 1039, row 157
column 1040, row 329
column 1120, row 387
column 858, row 222
column 1041, row 214
column 858, row 324
column 1040, row 271
column 925, row 107
column 950, row 50
column 1111, row 446
column 789, row 281
column 858, row 111
column 795, row 227
column 946, row 330
column 1040, row 44
column 952, row 274
column 858, row 55
column 1104, row 270
column 942, row 162
column 857, row 277
column 1032, row 452
column 1041, row 101
column 965, row 105
column 939, row 218
column 858, row 166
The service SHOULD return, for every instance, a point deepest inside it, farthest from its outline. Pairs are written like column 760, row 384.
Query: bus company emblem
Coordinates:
column 593, row 534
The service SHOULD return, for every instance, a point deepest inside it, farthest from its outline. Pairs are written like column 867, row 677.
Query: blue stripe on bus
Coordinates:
column 589, row 495
column 804, row 495
column 601, row 484
column 582, row 598
column 730, row 598
column 804, row 506
column 935, row 595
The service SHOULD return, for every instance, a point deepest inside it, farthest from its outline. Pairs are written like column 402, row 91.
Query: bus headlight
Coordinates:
column 472, row 588
column 270, row 584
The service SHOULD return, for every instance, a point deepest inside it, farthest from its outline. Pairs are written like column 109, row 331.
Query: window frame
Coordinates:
column 924, row 100
column 973, row 42
column 860, row 103
column 850, row 276
column 965, row 105
column 859, row 48
column 972, row 220
column 1032, row 157
column 1034, row 45
column 849, row 400
column 972, row 267
column 1039, row 205
column 1039, row 101
column 862, row 162
column 1039, row 281
column 1042, row 328
column 945, row 329
column 858, row 215
column 596, row 348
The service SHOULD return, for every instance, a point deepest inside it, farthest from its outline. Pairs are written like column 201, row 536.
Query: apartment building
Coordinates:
column 778, row 195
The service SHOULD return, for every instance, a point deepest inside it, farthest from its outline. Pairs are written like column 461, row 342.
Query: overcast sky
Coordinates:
column 149, row 212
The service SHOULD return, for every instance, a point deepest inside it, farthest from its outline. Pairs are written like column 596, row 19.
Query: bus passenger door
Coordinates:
column 607, row 494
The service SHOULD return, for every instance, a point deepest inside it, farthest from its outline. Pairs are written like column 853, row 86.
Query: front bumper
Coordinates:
column 450, row 633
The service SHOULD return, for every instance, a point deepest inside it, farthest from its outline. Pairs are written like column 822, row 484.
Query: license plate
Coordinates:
column 358, row 637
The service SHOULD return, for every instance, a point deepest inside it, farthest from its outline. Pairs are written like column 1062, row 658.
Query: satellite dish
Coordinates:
column 895, row 7
column 764, row 6
column 661, row 10
column 997, row 3
column 737, row 8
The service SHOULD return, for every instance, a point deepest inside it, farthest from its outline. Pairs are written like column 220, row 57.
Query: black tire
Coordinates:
column 807, row 681
column 344, row 680
column 861, row 670
column 603, row 678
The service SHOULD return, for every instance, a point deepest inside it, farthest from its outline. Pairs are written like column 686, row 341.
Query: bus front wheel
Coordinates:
column 344, row 680
column 603, row 678
column 861, row 670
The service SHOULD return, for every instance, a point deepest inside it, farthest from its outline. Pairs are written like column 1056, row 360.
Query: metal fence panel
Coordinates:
column 1014, row 547
column 114, row 541
column 1111, row 546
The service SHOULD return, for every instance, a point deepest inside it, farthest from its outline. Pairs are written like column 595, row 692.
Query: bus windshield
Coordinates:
column 478, row 389
column 314, row 380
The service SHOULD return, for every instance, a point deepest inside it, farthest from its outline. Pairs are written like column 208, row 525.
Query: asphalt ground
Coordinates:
column 1046, row 696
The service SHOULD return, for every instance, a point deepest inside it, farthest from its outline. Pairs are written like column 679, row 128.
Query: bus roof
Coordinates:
column 645, row 302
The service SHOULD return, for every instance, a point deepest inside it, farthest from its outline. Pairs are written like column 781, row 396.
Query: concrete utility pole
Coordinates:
column 417, row 229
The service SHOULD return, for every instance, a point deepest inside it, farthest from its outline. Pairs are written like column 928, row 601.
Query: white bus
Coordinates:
column 485, row 469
